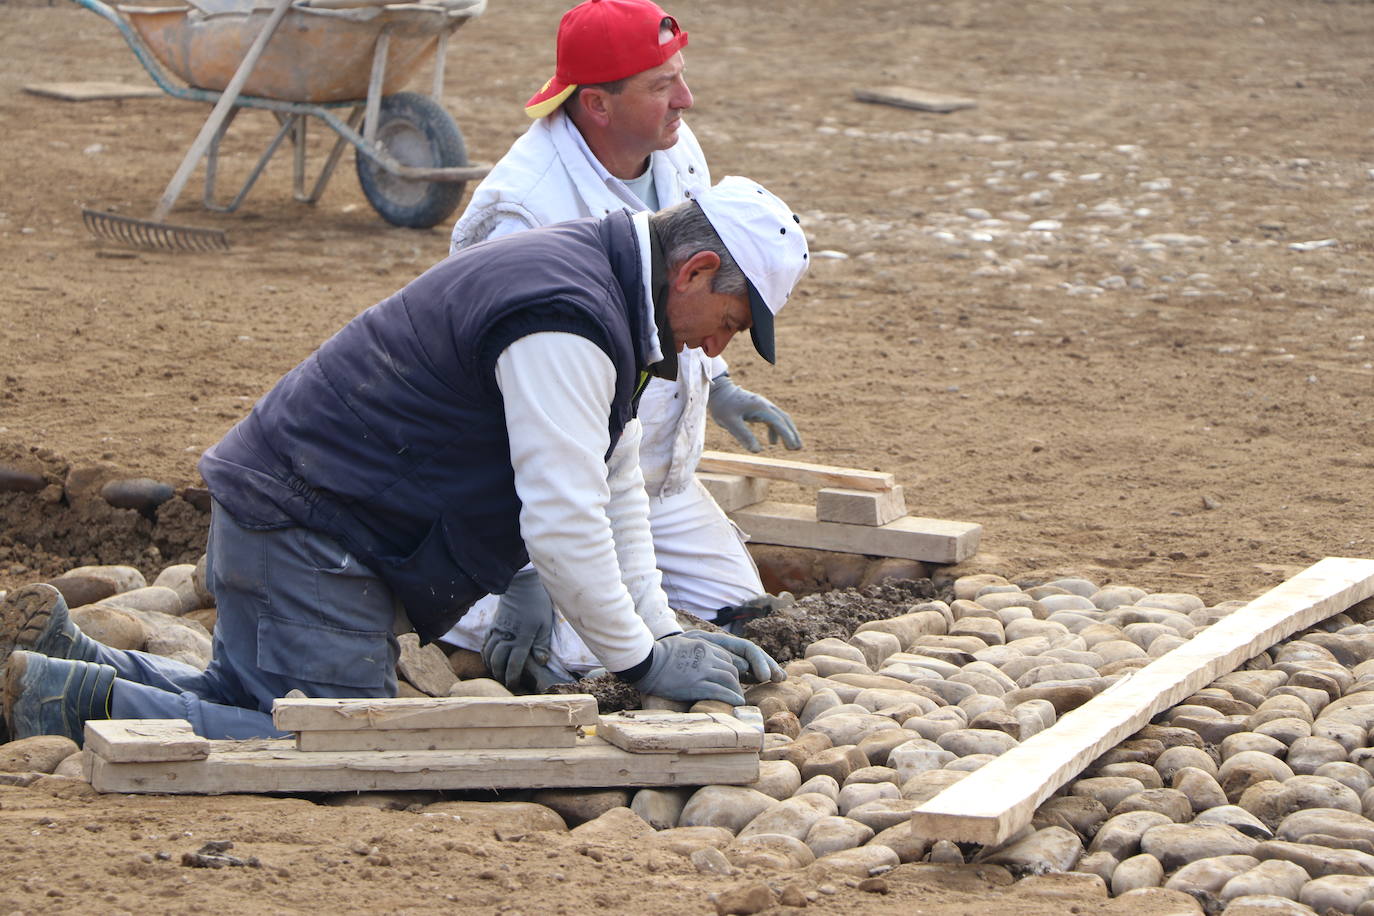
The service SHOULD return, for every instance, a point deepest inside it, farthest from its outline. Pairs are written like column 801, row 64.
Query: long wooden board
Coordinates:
column 275, row 766
column 929, row 540
column 999, row 799
column 305, row 714
column 435, row 739
column 816, row 475
column 916, row 99
column 92, row 90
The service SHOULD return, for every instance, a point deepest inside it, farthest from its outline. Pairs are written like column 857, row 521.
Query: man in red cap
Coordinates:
column 608, row 135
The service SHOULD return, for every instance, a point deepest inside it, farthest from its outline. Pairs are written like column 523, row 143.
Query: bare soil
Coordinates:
column 1133, row 375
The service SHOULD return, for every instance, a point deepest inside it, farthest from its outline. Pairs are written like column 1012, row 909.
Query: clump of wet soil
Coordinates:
column 785, row 633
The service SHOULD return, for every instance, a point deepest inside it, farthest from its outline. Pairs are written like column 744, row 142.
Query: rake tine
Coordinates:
column 142, row 233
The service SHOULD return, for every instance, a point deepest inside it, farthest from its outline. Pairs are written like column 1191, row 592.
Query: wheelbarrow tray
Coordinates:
column 316, row 55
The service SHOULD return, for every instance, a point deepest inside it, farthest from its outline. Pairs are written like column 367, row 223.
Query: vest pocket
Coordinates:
column 325, row 654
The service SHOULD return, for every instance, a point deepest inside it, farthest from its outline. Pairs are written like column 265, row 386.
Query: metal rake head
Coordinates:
column 143, row 233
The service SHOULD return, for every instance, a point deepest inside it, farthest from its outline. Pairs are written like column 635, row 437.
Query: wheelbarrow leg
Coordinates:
column 221, row 111
column 440, row 54
column 286, row 126
column 327, row 171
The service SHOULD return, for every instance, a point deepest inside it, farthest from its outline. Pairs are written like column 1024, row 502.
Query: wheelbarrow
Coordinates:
column 342, row 62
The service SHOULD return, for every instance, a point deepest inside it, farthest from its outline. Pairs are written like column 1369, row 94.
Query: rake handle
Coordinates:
column 221, row 111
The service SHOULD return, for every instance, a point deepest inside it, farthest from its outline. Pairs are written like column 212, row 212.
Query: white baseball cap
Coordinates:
column 765, row 238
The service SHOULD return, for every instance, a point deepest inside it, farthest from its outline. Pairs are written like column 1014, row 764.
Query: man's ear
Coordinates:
column 595, row 105
column 700, row 268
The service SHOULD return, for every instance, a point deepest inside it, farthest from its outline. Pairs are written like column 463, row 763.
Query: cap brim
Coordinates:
column 546, row 100
column 762, row 330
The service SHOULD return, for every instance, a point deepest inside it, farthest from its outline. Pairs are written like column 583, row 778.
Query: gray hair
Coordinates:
column 684, row 231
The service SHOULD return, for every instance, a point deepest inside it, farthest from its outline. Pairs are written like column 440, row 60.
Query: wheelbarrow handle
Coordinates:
column 470, row 8
column 221, row 111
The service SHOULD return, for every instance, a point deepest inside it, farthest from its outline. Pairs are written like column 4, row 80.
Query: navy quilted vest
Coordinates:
column 391, row 437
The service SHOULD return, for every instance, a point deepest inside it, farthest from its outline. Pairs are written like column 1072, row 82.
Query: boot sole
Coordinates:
column 24, row 615
column 9, row 675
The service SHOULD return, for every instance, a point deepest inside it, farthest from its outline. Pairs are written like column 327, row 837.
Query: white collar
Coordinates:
column 561, row 122
column 641, row 224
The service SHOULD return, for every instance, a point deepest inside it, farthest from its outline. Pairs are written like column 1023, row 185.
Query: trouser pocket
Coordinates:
column 321, row 654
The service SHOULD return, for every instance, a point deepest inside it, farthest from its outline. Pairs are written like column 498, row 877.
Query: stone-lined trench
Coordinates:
column 1255, row 794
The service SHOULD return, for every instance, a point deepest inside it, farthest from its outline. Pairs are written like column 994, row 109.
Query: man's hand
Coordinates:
column 686, row 668
column 734, row 408
column 747, row 658
column 522, row 626
column 547, row 671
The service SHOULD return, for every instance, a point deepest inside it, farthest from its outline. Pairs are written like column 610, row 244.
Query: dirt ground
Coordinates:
column 1084, row 314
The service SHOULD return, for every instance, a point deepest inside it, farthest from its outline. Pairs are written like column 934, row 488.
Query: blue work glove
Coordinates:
column 734, row 408
column 684, row 668
column 522, row 627
column 748, row 659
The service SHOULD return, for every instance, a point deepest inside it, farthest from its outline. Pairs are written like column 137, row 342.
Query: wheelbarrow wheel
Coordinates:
column 416, row 131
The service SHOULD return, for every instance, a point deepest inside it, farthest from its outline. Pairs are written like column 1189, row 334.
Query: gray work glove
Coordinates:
column 545, row 671
column 522, row 627
column 748, row 659
column 734, row 408
column 686, row 668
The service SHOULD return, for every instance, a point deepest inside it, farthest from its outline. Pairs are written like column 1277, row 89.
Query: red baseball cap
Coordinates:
column 600, row 41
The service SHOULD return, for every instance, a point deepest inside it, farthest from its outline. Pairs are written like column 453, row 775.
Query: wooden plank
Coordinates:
column 734, row 491
column 999, row 798
column 654, row 732
column 144, row 740
column 916, row 99
column 815, row 475
column 92, row 90
column 435, row 739
column 926, row 539
column 275, row 766
column 295, row 715
column 855, row 507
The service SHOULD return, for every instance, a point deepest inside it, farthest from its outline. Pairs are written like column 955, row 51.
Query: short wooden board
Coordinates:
column 929, row 540
column 305, row 714
column 654, row 732
column 91, row 91
column 856, row 507
column 436, row 739
column 816, row 475
column 734, row 491
column 998, row 799
column 916, row 99
column 144, row 740
column 276, row 766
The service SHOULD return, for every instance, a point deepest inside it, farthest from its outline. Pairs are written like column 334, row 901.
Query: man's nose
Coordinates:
column 714, row 345
column 682, row 96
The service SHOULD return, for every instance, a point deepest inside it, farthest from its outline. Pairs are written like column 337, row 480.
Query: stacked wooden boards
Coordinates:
column 856, row 511
column 430, row 743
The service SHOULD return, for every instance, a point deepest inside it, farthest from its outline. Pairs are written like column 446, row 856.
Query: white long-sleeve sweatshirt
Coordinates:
column 584, row 518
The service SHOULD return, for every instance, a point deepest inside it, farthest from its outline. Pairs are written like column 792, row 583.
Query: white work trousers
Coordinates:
column 700, row 553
